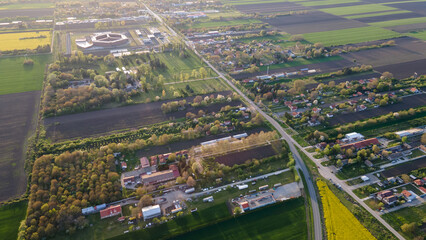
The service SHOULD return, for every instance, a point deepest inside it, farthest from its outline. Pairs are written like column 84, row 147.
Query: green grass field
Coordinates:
column 399, row 22
column 10, row 218
column 351, row 35
column 27, row 6
column 236, row 22
column 286, row 220
column 376, row 14
column 15, row 77
column 420, row 35
column 406, row 215
column 367, row 8
column 300, row 61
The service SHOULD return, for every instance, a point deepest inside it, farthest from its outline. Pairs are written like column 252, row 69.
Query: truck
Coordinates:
column 189, row 190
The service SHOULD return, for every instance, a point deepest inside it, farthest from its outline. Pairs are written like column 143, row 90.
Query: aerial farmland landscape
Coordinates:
column 213, row 119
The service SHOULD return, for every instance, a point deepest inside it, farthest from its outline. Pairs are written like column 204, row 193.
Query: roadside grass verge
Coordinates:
column 350, row 35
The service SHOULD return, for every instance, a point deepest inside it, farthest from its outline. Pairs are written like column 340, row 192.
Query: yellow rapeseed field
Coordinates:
column 341, row 224
column 12, row 41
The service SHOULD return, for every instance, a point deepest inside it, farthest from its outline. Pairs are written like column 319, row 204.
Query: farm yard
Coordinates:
column 16, row 125
column 24, row 40
column 407, row 103
column 16, row 77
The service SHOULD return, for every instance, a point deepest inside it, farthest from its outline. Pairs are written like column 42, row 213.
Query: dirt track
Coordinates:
column 407, row 103
column 16, row 115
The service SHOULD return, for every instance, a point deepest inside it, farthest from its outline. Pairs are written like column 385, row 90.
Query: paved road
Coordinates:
column 68, row 43
column 292, row 143
column 299, row 162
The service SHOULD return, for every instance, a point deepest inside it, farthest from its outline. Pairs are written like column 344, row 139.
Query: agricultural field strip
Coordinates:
column 398, row 22
column 224, row 23
column 376, row 14
column 27, row 6
column 420, row 35
column 367, row 8
column 12, row 41
column 351, row 35
column 326, row 2
column 248, row 2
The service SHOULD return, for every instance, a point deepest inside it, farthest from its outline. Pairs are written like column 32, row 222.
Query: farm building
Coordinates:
column 410, row 132
column 384, row 194
column 144, row 162
column 361, row 144
column 151, row 212
column 110, row 211
column 159, row 177
column 256, row 200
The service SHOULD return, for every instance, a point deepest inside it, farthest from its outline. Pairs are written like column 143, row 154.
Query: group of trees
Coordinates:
column 64, row 184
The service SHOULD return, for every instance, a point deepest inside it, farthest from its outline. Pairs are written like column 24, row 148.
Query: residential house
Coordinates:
column 123, row 165
column 408, row 195
column 361, row 144
column 390, row 200
column 419, row 182
column 381, row 195
column 110, row 211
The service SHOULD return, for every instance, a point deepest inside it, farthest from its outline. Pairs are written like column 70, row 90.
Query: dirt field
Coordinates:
column 408, row 28
column 17, row 112
column 407, row 49
column 389, row 17
column 407, row 103
column 103, row 121
column 242, row 156
column 417, row 7
column 312, row 22
column 405, row 168
column 270, row 7
column 34, row 13
column 406, row 69
column 177, row 146
column 321, row 67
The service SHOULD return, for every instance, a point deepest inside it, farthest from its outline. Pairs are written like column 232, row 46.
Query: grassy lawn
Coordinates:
column 235, row 22
column 300, row 61
column 416, row 153
column 376, row 14
column 399, row 22
column 420, row 35
column 285, row 220
column 300, row 140
column 27, row 6
column 354, row 181
column 15, row 77
column 351, row 35
column 409, row 187
column 406, row 215
column 230, row 14
column 357, row 9
column 353, row 170
column 10, row 217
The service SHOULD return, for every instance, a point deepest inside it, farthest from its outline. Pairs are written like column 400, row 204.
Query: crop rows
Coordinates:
column 11, row 41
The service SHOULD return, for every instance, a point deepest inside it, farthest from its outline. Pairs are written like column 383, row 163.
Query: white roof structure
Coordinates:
column 354, row 135
column 151, row 212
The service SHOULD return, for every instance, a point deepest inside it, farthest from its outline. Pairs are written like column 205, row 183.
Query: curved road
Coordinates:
column 299, row 162
column 291, row 142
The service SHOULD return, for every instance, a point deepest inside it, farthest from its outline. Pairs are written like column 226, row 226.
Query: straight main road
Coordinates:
column 299, row 162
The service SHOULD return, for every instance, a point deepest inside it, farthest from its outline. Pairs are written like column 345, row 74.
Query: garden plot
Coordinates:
column 270, row 7
column 407, row 103
column 242, row 156
column 404, row 168
column 406, row 49
column 312, row 22
column 406, row 69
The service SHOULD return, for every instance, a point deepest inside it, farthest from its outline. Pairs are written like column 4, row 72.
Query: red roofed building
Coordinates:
column 123, row 165
column 422, row 189
column 244, row 205
column 144, row 162
column 110, row 212
column 361, row 144
column 418, row 182
column 154, row 161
